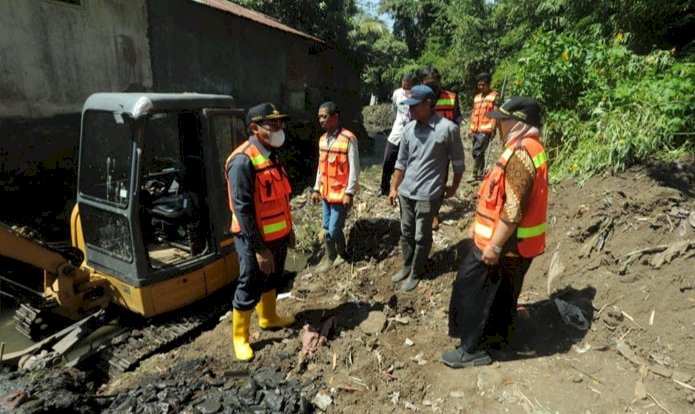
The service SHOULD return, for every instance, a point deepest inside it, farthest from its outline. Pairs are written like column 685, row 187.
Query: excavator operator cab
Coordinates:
column 153, row 215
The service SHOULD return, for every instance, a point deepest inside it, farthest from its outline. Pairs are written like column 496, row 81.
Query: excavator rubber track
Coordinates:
column 138, row 342
column 124, row 348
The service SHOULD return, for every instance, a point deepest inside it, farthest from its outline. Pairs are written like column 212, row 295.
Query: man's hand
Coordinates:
column 490, row 257
column 266, row 261
column 471, row 230
column 449, row 191
column 315, row 197
column 393, row 198
column 347, row 200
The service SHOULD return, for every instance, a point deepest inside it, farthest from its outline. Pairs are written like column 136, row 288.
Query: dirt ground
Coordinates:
column 619, row 265
column 620, row 250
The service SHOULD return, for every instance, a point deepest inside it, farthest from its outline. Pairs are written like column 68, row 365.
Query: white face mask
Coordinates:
column 276, row 138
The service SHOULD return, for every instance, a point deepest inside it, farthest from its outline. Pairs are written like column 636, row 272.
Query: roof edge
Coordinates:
column 258, row 17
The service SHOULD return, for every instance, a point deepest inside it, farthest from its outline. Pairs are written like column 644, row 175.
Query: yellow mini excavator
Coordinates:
column 150, row 230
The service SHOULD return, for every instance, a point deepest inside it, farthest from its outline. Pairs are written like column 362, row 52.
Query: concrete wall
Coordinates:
column 54, row 54
column 197, row 48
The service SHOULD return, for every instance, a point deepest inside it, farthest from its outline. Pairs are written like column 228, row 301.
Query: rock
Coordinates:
column 273, row 400
column 457, row 394
column 209, row 407
column 613, row 316
column 248, row 390
column 269, row 377
column 322, row 401
column 374, row 323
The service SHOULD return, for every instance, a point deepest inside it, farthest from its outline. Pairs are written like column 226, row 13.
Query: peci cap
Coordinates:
column 419, row 93
column 483, row 76
column 263, row 112
column 521, row 108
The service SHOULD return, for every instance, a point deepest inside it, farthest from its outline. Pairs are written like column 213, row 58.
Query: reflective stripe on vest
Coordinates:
column 334, row 166
column 530, row 232
column 481, row 106
column 445, row 105
column 271, row 195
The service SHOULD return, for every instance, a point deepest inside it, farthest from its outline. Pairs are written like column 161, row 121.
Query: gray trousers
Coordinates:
column 416, row 231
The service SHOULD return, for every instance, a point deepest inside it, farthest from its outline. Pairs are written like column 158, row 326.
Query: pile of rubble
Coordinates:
column 189, row 387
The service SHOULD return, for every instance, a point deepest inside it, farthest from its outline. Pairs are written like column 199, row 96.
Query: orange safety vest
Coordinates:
column 334, row 166
column 271, row 195
column 481, row 106
column 445, row 105
column 530, row 232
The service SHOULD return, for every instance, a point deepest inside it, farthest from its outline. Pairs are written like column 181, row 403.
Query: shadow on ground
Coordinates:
column 373, row 239
column 541, row 331
column 680, row 175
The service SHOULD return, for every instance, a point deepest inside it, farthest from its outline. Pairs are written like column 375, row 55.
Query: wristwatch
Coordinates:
column 496, row 249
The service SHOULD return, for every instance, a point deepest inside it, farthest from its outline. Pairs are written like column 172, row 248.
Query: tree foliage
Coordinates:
column 616, row 76
column 329, row 20
column 607, row 107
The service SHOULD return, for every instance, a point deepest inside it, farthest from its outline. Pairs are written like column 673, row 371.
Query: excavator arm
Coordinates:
column 76, row 290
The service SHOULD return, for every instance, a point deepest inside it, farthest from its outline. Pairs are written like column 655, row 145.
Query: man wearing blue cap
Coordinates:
column 419, row 181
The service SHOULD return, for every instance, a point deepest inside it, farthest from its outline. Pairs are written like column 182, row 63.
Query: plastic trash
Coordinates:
column 571, row 314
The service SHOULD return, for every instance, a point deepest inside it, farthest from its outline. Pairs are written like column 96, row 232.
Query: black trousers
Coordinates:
column 484, row 298
column 252, row 282
column 390, row 157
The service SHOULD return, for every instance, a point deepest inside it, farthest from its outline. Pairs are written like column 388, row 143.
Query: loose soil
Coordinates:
column 620, row 254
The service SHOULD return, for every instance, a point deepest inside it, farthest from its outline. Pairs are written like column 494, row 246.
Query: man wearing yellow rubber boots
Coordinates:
column 259, row 198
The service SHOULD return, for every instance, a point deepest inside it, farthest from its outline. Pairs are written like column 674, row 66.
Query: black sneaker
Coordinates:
column 458, row 358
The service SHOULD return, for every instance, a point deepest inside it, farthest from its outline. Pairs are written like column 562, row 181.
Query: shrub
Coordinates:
column 607, row 108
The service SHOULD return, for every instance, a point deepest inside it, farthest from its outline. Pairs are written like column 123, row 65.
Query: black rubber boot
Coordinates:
column 410, row 283
column 402, row 274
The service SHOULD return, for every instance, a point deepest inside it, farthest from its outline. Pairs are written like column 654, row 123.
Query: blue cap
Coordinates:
column 419, row 93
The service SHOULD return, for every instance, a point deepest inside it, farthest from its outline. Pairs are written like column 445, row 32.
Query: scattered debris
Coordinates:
column 640, row 388
column 582, row 349
column 571, row 314
column 674, row 250
column 419, row 358
column 628, row 353
column 394, row 396
column 556, row 267
column 313, row 339
column 597, row 243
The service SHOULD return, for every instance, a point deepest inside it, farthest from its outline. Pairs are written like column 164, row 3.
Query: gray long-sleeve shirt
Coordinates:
column 424, row 155
column 353, row 163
